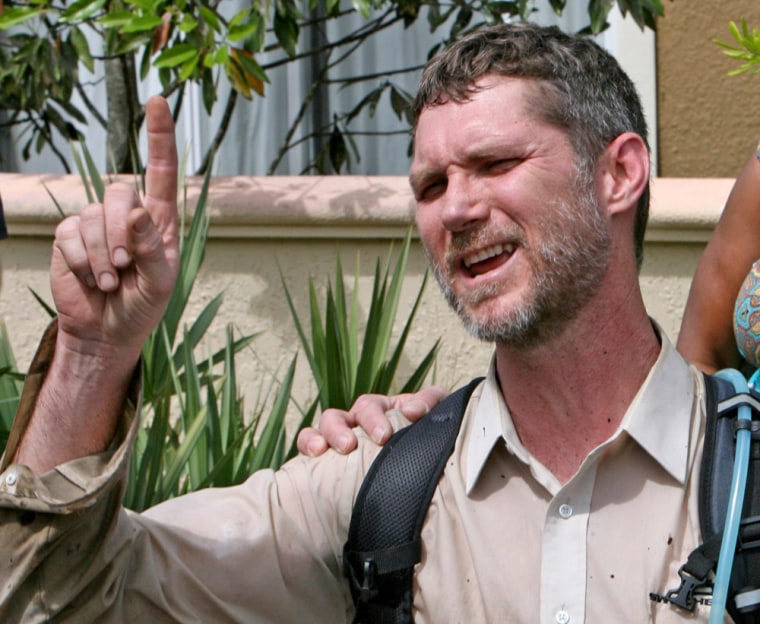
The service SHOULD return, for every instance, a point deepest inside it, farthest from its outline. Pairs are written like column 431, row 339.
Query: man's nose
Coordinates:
column 465, row 205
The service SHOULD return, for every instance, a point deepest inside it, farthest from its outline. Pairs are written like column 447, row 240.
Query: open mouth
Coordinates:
column 488, row 258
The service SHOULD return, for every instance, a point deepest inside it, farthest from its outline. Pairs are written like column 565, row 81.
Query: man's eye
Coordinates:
column 502, row 165
column 432, row 190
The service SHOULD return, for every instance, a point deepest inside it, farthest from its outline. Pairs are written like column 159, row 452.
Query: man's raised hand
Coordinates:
column 115, row 264
column 112, row 273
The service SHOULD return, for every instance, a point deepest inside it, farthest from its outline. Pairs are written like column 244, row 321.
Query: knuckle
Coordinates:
column 367, row 401
column 120, row 190
column 324, row 417
column 91, row 212
column 68, row 228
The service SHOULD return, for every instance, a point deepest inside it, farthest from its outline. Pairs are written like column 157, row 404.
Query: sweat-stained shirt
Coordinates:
column 503, row 541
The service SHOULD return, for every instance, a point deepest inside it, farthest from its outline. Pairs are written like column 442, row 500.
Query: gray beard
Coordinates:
column 568, row 266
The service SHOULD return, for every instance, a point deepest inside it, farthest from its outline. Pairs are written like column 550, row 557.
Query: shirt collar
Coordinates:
column 658, row 418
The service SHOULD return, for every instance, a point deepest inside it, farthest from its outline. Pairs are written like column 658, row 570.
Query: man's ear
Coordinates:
column 624, row 171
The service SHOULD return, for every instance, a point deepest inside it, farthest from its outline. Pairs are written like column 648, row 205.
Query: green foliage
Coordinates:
column 341, row 370
column 46, row 44
column 747, row 49
column 195, row 432
column 11, row 382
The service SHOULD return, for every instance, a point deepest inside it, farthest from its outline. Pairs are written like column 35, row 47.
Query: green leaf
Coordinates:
column 463, row 18
column 599, row 10
column 338, row 151
column 81, row 11
column 558, row 6
column 254, row 43
column 187, row 24
column 176, row 55
column 241, row 17
column 79, row 41
column 339, row 370
column 142, row 24
column 11, row 383
column 401, row 102
column 13, row 16
column 129, row 42
column 250, row 65
column 95, row 179
column 238, row 33
column 188, row 68
column 363, row 7
column 271, row 435
column 144, row 5
column 208, row 88
column 115, row 19
column 145, row 62
column 369, row 101
column 210, row 18
column 286, row 30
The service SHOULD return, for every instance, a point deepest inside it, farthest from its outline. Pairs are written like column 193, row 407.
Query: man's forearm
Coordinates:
column 77, row 409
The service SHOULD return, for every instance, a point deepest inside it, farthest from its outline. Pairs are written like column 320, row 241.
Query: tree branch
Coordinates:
column 90, row 106
column 220, row 133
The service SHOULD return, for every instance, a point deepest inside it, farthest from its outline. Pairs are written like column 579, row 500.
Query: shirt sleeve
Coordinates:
column 268, row 550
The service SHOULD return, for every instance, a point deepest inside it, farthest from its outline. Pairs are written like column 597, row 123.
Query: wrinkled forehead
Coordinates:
column 530, row 98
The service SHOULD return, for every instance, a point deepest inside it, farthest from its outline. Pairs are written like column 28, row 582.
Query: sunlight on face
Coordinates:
column 568, row 265
column 510, row 223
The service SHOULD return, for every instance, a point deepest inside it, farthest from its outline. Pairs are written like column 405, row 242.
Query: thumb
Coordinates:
column 153, row 261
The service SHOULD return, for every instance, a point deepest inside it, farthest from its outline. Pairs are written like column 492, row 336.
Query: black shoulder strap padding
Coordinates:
column 384, row 535
column 716, row 473
column 717, row 459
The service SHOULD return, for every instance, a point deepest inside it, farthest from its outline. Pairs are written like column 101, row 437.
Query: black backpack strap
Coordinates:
column 715, row 478
column 384, row 540
column 717, row 466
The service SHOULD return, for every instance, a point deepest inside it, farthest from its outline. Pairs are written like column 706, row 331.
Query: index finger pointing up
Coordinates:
column 161, row 171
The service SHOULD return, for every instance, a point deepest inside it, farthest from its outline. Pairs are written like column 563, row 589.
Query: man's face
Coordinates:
column 515, row 238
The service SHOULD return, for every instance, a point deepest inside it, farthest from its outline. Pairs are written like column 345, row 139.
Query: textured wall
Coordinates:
column 300, row 224
column 708, row 122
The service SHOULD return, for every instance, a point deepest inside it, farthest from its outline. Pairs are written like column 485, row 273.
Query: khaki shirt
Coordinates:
column 503, row 540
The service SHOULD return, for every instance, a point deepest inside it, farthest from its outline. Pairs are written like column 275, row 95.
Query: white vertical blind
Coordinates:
column 258, row 127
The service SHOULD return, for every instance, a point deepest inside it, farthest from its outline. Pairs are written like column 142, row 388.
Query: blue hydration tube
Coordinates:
column 735, row 501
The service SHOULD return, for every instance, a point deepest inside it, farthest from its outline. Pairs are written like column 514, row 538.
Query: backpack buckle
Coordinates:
column 368, row 588
column 684, row 596
column 361, row 571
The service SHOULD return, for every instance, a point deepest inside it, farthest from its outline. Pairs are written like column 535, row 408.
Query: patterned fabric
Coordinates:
column 747, row 316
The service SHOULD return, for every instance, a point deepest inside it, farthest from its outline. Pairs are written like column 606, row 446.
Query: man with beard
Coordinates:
column 571, row 493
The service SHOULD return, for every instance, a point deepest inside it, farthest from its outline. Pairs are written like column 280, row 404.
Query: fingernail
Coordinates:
column 341, row 443
column 378, row 434
column 107, row 281
column 416, row 406
column 314, row 447
column 120, row 256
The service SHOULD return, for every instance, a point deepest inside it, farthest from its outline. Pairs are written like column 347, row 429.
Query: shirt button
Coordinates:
column 10, row 479
column 562, row 617
column 565, row 511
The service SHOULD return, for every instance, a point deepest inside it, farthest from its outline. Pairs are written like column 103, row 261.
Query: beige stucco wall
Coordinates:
column 301, row 223
column 708, row 122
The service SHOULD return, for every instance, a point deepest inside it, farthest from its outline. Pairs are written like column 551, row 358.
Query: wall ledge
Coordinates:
column 378, row 207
